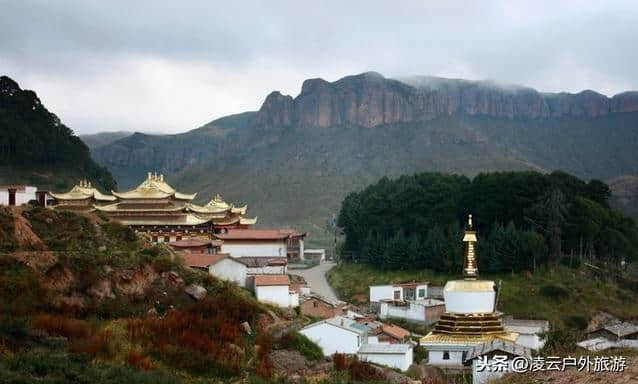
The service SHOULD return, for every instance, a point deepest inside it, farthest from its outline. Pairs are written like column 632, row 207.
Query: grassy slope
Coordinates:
column 519, row 296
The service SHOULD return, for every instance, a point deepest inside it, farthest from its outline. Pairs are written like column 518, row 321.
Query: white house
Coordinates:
column 270, row 243
column 529, row 331
column 493, row 359
column 398, row 292
column 314, row 256
column 425, row 311
column 275, row 289
column 219, row 265
column 337, row 335
column 21, row 193
column 392, row 355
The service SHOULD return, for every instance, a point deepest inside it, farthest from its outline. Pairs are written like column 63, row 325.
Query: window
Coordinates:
column 154, row 239
column 315, row 304
column 167, row 239
column 397, row 295
column 422, row 292
column 446, row 355
column 358, row 341
column 178, row 238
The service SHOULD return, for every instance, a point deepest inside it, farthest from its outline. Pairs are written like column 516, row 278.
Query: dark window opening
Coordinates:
column 446, row 355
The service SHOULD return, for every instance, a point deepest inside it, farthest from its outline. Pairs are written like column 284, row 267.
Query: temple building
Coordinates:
column 470, row 318
column 156, row 208
column 82, row 197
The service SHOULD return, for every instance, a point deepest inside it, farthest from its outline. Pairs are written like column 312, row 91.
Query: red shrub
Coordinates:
column 62, row 326
column 96, row 346
column 362, row 371
column 138, row 360
column 339, row 360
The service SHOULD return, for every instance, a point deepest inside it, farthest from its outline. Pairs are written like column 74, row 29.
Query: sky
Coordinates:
column 171, row 66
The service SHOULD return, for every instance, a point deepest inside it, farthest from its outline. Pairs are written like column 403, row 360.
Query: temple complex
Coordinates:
column 470, row 318
column 158, row 209
column 82, row 197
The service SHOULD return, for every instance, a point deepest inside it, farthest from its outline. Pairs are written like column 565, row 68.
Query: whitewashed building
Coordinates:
column 425, row 311
column 398, row 356
column 493, row 359
column 398, row 292
column 219, row 265
column 529, row 331
column 22, row 194
column 275, row 289
column 338, row 334
column 270, row 243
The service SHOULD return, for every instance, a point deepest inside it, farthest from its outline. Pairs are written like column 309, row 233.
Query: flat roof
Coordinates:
column 387, row 349
column 259, row 234
column 202, row 260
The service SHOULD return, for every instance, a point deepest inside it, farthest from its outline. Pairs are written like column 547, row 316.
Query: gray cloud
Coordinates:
column 171, row 66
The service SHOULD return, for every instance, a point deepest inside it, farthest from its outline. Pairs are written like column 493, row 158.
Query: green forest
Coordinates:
column 32, row 139
column 524, row 220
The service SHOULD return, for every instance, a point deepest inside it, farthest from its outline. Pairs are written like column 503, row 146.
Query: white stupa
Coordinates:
column 470, row 317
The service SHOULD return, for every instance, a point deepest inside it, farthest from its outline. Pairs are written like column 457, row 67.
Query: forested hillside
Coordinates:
column 37, row 148
column 524, row 220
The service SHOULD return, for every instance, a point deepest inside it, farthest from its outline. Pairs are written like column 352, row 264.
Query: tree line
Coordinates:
column 524, row 220
column 32, row 137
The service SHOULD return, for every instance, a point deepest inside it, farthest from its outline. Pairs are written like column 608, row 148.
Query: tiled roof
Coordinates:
column 395, row 331
column 265, row 280
column 389, row 349
column 622, row 329
column 202, row 260
column 258, row 234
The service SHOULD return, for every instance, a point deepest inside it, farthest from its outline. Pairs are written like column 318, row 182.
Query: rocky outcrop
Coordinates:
column 371, row 100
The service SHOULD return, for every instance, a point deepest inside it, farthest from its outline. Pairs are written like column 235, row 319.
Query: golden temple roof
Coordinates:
column 154, row 187
column 433, row 338
column 83, row 190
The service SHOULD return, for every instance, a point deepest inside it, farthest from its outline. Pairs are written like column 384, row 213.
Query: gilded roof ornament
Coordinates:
column 470, row 266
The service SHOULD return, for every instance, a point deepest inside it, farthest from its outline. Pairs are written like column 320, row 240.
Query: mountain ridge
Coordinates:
column 295, row 158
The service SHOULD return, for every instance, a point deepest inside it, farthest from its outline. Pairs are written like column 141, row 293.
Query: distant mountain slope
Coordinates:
column 37, row 148
column 296, row 158
column 99, row 139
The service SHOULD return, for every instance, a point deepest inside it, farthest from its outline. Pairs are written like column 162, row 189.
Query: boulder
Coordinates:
column 246, row 327
column 197, row 292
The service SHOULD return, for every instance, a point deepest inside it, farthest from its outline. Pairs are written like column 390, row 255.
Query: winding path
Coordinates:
column 316, row 276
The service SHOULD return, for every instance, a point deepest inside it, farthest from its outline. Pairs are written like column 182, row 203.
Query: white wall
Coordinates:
column 275, row 294
column 383, row 292
column 21, row 197
column 333, row 339
column 400, row 361
column 532, row 341
column 485, row 375
column 229, row 270
column 436, row 358
column 413, row 312
column 255, row 248
column 469, row 302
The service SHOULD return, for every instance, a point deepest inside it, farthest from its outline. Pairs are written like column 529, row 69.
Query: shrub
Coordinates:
column 360, row 370
column 339, row 361
column 264, row 366
column 560, row 340
column 554, row 292
column 62, row 326
column 137, row 360
column 302, row 344
column 96, row 346
column 576, row 321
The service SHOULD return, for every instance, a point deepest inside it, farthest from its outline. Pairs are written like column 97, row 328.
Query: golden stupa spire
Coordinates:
column 470, row 267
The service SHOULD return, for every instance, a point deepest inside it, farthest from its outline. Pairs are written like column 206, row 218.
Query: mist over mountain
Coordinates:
column 295, row 159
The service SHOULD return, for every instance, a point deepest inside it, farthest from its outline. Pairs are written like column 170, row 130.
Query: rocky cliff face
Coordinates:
column 371, row 100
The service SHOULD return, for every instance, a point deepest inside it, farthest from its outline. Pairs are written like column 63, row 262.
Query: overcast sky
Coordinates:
column 172, row 66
